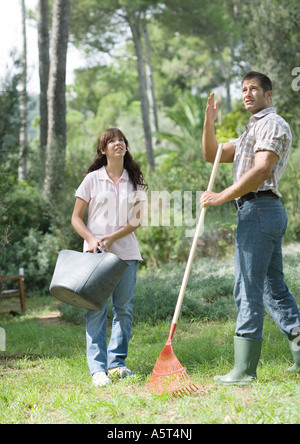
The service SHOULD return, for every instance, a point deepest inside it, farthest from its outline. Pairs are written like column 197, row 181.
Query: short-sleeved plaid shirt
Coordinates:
column 266, row 131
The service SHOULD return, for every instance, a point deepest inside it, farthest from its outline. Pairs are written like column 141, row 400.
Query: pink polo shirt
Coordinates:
column 111, row 206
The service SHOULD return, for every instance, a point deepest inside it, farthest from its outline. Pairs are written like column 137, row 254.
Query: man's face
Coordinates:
column 254, row 97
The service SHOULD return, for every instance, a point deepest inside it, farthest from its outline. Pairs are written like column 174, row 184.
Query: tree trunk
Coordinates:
column 44, row 62
column 23, row 102
column 136, row 33
column 150, row 86
column 56, row 140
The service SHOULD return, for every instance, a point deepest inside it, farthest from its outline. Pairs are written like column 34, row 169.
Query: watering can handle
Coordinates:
column 198, row 232
column 99, row 250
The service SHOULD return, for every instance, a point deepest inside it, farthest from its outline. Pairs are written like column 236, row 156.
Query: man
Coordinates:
column 259, row 158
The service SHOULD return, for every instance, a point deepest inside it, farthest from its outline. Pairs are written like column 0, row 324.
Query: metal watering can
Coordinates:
column 86, row 280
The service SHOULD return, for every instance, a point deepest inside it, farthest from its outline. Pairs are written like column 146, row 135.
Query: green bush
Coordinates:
column 37, row 254
column 208, row 297
column 26, row 209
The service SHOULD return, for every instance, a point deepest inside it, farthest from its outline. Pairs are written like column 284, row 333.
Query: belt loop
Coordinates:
column 237, row 204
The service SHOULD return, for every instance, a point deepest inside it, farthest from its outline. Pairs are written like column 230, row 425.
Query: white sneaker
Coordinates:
column 100, row 379
column 121, row 372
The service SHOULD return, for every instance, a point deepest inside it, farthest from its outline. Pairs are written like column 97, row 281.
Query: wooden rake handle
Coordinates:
column 198, row 233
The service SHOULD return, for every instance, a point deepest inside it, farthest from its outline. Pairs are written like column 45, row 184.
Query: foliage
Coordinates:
column 33, row 234
column 92, row 85
column 290, row 188
column 4, row 229
column 195, row 48
column 188, row 116
column 208, row 296
column 24, row 227
column 9, row 123
column 271, row 44
column 26, row 209
column 37, row 253
column 233, row 124
column 9, row 141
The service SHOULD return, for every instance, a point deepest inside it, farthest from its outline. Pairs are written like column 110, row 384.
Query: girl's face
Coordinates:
column 115, row 148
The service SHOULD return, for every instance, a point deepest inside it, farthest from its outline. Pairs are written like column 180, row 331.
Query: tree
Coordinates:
column 9, row 121
column 44, row 63
column 98, row 24
column 214, row 24
column 150, row 84
column 133, row 19
column 271, row 44
column 9, row 145
column 23, row 101
column 56, row 138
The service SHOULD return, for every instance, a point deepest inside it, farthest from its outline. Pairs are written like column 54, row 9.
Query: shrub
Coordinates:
column 208, row 297
column 37, row 254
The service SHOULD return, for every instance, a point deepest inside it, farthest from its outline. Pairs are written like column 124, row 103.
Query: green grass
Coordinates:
column 44, row 376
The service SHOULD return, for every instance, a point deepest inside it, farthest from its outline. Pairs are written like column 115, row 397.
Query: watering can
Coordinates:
column 86, row 280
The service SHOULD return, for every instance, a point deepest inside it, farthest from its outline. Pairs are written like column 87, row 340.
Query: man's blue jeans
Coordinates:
column 100, row 357
column 259, row 279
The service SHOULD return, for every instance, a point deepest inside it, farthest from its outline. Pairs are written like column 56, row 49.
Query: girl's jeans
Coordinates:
column 259, row 279
column 100, row 357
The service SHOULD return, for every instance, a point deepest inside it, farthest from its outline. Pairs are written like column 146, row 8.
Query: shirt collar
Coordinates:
column 262, row 113
column 104, row 176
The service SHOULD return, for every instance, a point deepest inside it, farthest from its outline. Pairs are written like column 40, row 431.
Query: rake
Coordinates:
column 168, row 375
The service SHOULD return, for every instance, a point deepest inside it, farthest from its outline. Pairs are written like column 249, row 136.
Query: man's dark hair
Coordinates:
column 264, row 80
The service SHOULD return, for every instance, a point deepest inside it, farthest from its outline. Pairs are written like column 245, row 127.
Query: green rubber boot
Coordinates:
column 246, row 357
column 294, row 342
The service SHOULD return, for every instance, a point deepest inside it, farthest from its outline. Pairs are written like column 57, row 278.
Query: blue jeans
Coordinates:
column 100, row 357
column 259, row 279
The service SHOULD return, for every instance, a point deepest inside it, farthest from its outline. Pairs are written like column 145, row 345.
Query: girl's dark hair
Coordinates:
column 133, row 168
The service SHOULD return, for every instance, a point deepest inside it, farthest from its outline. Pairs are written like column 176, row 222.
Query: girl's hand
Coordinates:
column 93, row 245
column 106, row 242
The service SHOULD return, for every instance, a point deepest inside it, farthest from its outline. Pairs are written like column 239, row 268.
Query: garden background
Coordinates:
column 150, row 66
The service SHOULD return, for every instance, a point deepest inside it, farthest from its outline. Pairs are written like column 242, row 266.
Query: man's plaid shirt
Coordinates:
column 266, row 131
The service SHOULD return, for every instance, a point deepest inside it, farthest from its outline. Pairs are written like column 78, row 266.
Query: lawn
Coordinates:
column 44, row 376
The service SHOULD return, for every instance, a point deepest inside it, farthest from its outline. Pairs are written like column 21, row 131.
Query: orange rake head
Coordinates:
column 169, row 376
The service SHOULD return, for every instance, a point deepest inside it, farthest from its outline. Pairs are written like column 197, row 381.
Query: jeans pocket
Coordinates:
column 272, row 220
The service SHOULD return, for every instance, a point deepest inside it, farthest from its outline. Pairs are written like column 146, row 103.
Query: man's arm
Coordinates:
column 265, row 162
column 209, row 140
